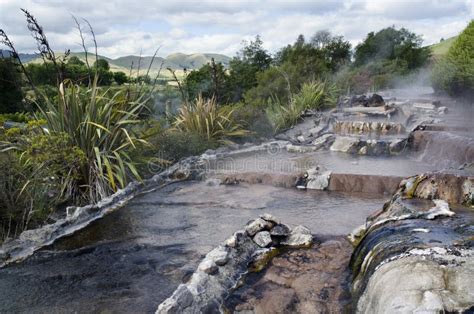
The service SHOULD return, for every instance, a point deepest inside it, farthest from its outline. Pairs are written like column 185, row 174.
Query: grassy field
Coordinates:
column 440, row 49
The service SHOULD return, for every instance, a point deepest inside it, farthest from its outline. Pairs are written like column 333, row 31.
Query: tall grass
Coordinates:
column 205, row 118
column 100, row 125
column 313, row 95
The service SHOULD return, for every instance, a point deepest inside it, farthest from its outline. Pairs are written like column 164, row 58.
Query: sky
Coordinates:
column 126, row 27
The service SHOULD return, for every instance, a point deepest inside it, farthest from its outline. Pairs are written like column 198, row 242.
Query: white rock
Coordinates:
column 299, row 236
column 345, row 144
column 271, row 218
column 263, row 238
column 219, row 255
column 441, row 209
column 257, row 225
column 300, row 149
column 208, row 266
column 317, row 179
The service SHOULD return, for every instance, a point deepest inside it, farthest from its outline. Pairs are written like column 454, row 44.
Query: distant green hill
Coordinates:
column 176, row 61
column 440, row 49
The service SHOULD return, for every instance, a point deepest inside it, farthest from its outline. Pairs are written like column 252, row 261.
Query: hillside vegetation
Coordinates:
column 175, row 61
column 441, row 49
column 454, row 72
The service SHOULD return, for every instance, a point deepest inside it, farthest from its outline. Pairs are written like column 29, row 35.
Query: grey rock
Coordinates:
column 280, row 230
column 208, row 266
column 317, row 179
column 219, row 255
column 397, row 146
column 424, row 106
column 257, row 225
column 316, row 131
column 345, row 144
column 169, row 306
column 185, row 297
column 263, row 238
column 301, row 149
column 299, row 236
column 324, row 140
column 300, row 139
column 270, row 218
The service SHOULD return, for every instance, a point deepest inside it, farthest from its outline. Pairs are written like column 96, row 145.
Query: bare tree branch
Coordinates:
column 83, row 43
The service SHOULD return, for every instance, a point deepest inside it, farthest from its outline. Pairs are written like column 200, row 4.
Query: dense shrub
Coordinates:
column 39, row 172
column 11, row 94
column 392, row 44
column 100, row 125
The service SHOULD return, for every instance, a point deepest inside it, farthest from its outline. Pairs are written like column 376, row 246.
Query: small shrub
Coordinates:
column 205, row 118
column 254, row 119
column 313, row 95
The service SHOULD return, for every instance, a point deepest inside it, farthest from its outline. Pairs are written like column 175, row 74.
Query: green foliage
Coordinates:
column 102, row 64
column 455, row 72
column 313, row 95
column 40, row 171
column 392, row 44
column 145, row 79
column 11, row 94
column 100, row 125
column 299, row 63
column 210, row 80
column 74, row 60
column 74, row 70
column 254, row 119
column 170, row 145
column 250, row 60
column 42, row 73
column 206, row 119
column 441, row 49
column 120, row 78
column 18, row 117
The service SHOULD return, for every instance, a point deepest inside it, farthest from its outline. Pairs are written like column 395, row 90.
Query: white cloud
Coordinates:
column 128, row 27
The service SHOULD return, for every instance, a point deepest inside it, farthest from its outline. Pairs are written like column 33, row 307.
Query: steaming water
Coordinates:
column 445, row 149
column 280, row 161
column 134, row 258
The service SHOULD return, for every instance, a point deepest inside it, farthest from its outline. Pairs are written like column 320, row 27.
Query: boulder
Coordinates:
column 208, row 266
column 375, row 101
column 299, row 236
column 270, row 218
column 280, row 230
column 345, row 144
column 358, row 101
column 262, row 238
column 324, row 140
column 317, row 178
column 257, row 225
column 219, row 255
